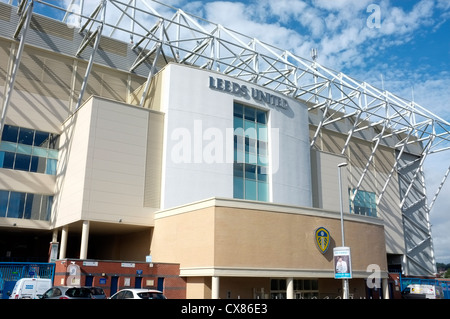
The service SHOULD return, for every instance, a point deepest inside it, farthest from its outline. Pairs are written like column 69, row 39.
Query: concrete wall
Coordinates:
column 236, row 238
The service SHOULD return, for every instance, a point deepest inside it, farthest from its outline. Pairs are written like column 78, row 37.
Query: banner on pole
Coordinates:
column 342, row 263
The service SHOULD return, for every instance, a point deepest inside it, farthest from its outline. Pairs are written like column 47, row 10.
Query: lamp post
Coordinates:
column 344, row 280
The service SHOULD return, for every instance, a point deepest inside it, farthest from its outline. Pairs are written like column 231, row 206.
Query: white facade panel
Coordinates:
column 106, row 164
column 198, row 156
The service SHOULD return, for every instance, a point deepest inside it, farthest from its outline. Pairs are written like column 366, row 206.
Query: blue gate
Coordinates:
column 404, row 282
column 10, row 273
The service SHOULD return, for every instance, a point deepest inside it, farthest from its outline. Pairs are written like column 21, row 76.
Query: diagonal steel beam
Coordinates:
column 24, row 24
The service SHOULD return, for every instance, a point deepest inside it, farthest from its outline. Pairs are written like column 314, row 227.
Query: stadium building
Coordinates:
column 180, row 142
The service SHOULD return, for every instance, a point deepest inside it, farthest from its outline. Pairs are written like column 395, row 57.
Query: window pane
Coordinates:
column 250, row 171
column 24, row 149
column 16, row 205
column 8, row 160
column 238, row 170
column 38, row 151
column 238, row 110
column 262, row 174
column 41, row 139
column 3, row 202
column 8, row 147
column 51, row 166
column 26, row 136
column 10, row 133
column 250, row 129
column 250, row 114
column 250, row 189
column 261, row 117
column 262, row 148
column 36, row 207
column 238, row 122
column 238, row 187
column 28, row 206
column 53, row 154
column 38, row 164
column 262, row 132
column 22, row 162
column 45, row 215
column 263, row 191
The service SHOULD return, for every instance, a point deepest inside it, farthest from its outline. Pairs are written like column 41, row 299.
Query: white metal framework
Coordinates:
column 157, row 31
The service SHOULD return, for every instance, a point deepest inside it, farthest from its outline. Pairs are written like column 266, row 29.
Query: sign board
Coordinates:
column 342, row 263
column 53, row 252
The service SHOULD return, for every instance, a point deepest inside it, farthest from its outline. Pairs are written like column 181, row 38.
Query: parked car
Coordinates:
column 138, row 293
column 65, row 292
column 30, row 288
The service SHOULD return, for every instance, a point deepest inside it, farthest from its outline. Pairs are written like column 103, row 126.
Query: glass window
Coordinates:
column 51, row 166
column 34, row 164
column 28, row 150
column 364, row 203
column 250, row 190
column 4, row 195
column 36, row 207
column 10, row 133
column 22, row 162
column 261, row 116
column 8, row 160
column 26, row 136
column 25, row 205
column 41, row 139
column 238, row 187
column 250, row 148
column 16, row 205
column 250, row 114
column 238, row 110
column 28, row 206
column 263, row 191
column 46, row 207
column 8, row 147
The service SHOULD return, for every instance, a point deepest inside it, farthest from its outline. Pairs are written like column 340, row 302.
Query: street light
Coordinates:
column 344, row 280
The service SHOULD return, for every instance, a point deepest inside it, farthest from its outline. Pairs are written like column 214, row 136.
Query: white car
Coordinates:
column 138, row 293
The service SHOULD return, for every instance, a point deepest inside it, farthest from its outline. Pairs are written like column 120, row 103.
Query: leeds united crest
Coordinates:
column 322, row 238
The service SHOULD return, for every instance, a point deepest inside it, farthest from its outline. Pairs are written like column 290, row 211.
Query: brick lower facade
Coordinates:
column 115, row 275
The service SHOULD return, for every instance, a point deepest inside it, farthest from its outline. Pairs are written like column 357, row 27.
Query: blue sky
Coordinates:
column 404, row 42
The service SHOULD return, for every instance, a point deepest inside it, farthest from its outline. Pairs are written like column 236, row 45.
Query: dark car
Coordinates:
column 65, row 292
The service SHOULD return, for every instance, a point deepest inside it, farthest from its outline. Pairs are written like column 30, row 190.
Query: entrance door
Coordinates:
column 114, row 282
column 138, row 282
column 89, row 281
column 160, row 284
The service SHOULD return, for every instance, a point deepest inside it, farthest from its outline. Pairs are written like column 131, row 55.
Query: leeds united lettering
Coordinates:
column 243, row 91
